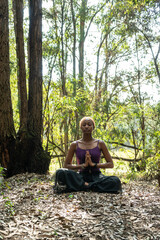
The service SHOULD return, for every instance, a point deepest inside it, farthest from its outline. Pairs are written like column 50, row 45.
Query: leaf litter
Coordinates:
column 30, row 210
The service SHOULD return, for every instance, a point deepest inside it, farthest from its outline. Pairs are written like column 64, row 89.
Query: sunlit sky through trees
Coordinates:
column 91, row 45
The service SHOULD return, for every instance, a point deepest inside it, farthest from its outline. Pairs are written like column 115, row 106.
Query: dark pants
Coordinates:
column 71, row 181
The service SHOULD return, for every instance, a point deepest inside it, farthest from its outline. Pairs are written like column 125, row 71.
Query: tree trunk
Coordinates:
column 97, row 79
column 76, row 135
column 142, row 119
column 7, row 131
column 38, row 160
column 35, row 68
column 81, row 43
column 22, row 90
column 20, row 155
column 155, row 58
column 74, row 48
column 80, row 102
column 63, row 60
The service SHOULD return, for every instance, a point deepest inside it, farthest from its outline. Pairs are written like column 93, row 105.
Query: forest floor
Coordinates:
column 30, row 210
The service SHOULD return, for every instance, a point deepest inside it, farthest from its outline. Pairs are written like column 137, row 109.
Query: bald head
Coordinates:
column 87, row 119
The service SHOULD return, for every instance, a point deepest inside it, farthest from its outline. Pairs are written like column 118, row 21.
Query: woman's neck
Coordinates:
column 87, row 138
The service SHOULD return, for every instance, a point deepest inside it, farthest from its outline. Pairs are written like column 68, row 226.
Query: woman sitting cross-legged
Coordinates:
column 86, row 174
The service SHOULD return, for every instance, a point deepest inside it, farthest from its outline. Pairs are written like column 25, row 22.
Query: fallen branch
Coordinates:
column 118, row 158
column 125, row 145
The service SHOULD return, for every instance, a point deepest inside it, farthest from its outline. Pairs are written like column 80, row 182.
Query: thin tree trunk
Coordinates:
column 74, row 67
column 142, row 119
column 63, row 61
column 155, row 58
column 63, row 75
column 81, row 43
column 74, row 48
column 97, row 79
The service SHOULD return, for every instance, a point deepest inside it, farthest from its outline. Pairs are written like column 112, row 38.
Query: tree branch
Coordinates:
column 92, row 20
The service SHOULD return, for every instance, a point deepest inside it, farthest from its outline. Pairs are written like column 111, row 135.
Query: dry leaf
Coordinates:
column 30, row 210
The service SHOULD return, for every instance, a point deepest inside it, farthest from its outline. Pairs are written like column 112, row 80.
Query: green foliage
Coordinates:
column 125, row 68
column 1, row 177
column 153, row 167
column 9, row 205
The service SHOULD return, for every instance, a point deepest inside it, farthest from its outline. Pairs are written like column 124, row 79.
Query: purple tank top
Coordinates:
column 95, row 157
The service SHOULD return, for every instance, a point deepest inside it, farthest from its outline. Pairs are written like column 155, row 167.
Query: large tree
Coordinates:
column 7, row 131
column 38, row 161
column 22, row 152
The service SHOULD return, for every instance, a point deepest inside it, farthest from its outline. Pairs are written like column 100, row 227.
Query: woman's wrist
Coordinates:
column 75, row 167
column 95, row 165
column 83, row 166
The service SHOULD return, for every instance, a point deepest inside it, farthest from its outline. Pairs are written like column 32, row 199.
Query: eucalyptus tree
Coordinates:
column 124, row 29
column 81, row 42
column 145, row 23
column 112, row 51
column 141, row 22
column 69, row 24
column 74, row 22
column 60, row 19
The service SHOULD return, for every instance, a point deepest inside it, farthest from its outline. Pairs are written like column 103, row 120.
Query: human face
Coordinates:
column 87, row 126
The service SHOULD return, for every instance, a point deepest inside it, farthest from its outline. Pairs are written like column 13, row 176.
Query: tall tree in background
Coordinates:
column 74, row 46
column 81, row 42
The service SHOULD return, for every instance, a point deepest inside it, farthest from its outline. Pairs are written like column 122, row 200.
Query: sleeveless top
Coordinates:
column 95, row 157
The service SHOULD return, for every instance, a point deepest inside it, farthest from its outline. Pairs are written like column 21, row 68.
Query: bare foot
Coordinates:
column 86, row 183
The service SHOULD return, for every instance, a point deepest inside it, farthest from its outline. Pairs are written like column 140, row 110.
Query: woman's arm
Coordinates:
column 107, row 156
column 68, row 161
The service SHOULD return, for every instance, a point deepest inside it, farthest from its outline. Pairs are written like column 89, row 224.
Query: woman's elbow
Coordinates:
column 65, row 165
column 112, row 165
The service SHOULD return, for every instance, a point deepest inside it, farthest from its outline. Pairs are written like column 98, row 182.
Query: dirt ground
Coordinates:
column 30, row 210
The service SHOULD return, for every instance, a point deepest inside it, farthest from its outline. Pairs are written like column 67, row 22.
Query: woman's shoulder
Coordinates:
column 72, row 147
column 98, row 140
column 74, row 143
column 101, row 143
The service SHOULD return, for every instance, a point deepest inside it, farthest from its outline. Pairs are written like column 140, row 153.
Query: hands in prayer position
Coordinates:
column 88, row 161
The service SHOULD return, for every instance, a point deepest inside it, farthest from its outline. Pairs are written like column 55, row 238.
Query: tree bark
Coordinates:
column 22, row 90
column 7, row 131
column 63, row 60
column 25, row 154
column 97, row 79
column 142, row 118
column 155, row 58
column 74, row 48
column 38, row 160
column 35, row 68
column 81, row 43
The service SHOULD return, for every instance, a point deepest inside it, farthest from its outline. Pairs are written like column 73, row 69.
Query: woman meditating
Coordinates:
column 86, row 174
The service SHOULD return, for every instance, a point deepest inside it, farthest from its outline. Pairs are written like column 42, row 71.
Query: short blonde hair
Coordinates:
column 89, row 118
